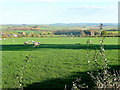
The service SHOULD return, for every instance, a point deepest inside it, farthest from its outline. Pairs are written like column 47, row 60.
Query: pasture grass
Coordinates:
column 55, row 63
column 72, row 40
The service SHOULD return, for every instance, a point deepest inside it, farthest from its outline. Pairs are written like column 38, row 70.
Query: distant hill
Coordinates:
column 69, row 24
column 79, row 24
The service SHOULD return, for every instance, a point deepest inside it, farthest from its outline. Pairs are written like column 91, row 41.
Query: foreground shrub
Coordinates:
column 101, row 74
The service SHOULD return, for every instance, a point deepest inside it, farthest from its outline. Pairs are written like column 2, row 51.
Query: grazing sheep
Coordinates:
column 36, row 43
column 13, row 41
column 25, row 43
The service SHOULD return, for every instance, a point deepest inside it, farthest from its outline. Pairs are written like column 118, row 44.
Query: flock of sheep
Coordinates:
column 34, row 43
column 27, row 42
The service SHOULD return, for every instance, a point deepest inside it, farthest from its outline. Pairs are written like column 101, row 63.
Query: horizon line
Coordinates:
column 64, row 23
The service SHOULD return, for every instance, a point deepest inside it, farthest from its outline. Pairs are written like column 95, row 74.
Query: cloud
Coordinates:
column 92, row 12
column 91, row 9
column 85, row 10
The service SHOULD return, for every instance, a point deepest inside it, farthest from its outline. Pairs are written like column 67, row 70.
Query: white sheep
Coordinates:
column 25, row 43
column 36, row 43
column 13, row 41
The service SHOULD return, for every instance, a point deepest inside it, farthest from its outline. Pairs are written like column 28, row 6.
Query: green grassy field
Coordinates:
column 55, row 63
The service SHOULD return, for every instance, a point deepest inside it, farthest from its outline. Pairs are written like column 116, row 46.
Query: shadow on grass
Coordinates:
column 21, row 47
column 60, row 83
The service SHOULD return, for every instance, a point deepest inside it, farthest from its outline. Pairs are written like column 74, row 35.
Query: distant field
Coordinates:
column 112, row 31
column 54, row 27
column 20, row 31
column 72, row 40
column 55, row 63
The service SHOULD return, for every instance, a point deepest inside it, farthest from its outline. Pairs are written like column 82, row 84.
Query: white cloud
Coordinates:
column 92, row 11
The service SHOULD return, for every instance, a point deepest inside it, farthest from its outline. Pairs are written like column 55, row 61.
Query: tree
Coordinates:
column 4, row 36
column 103, row 33
column 23, row 33
column 83, row 33
column 32, row 35
column 38, row 35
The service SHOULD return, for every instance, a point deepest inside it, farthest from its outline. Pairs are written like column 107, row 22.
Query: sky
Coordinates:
column 58, row 11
